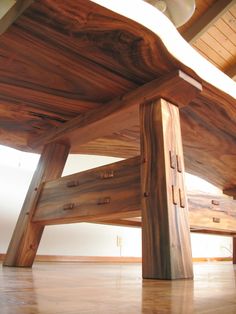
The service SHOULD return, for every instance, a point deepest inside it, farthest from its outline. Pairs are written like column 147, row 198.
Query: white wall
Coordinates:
column 16, row 170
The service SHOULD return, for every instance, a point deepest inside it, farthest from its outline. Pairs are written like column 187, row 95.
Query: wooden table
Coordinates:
column 79, row 78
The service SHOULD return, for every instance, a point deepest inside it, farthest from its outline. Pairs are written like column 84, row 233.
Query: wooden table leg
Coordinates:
column 165, row 228
column 27, row 235
column 234, row 250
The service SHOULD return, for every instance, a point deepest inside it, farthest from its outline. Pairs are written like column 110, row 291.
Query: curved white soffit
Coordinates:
column 148, row 16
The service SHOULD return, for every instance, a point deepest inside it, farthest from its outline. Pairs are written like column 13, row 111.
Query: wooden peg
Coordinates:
column 179, row 164
column 107, row 175
column 216, row 220
column 172, row 160
column 181, row 199
column 174, row 195
column 72, row 184
column 104, row 201
column 69, row 206
column 214, row 202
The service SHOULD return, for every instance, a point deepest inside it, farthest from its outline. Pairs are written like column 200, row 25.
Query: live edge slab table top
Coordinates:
column 81, row 78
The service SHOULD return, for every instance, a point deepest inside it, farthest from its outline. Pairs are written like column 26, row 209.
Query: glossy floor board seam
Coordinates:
column 56, row 288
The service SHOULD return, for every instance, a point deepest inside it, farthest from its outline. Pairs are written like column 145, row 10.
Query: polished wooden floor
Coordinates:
column 76, row 288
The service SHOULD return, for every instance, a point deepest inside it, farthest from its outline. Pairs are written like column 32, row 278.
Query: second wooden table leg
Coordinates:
column 165, row 228
column 26, row 237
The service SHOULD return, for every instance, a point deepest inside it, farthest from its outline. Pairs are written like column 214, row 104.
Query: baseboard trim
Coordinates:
column 212, row 259
column 111, row 259
column 84, row 259
column 88, row 259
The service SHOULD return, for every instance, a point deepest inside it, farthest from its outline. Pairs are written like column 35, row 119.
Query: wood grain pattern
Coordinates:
column 122, row 113
column 212, row 212
column 109, row 288
column 196, row 127
column 200, row 217
column 104, row 193
column 27, row 235
column 212, row 33
column 166, row 248
column 203, row 209
column 74, row 61
column 84, row 190
column 225, row 233
column 126, row 222
column 223, row 38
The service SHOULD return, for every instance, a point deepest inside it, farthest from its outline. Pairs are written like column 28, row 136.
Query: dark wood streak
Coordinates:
column 92, row 195
column 204, row 214
column 166, row 248
column 62, row 58
column 85, row 189
column 122, row 112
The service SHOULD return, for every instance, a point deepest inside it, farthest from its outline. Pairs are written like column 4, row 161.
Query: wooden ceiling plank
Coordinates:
column 214, row 13
column 14, row 12
column 223, row 40
column 233, row 10
column 230, row 20
column 215, row 58
column 218, row 48
column 224, row 28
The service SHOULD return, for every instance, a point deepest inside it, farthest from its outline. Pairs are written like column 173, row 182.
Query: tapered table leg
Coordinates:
column 27, row 235
column 165, row 228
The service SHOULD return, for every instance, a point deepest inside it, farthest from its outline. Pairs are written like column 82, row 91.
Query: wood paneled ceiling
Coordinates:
column 212, row 32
